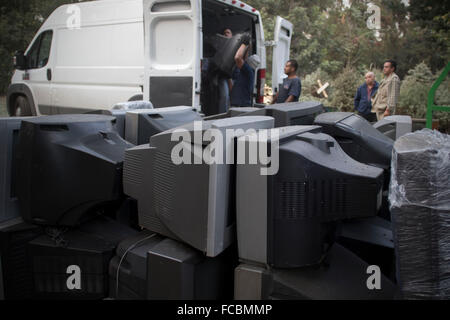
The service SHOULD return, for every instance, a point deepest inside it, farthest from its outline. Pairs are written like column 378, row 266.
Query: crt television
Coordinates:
column 191, row 203
column 68, row 165
column 289, row 220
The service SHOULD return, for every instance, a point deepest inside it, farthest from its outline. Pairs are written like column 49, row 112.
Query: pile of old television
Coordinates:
column 141, row 205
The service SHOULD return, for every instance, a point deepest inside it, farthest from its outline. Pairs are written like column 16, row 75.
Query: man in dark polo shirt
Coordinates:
column 291, row 89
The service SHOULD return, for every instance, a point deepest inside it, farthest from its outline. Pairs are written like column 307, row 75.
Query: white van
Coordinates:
column 127, row 50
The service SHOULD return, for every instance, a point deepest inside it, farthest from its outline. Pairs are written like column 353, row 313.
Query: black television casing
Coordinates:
column 9, row 139
column 68, row 166
column 359, row 139
column 90, row 248
column 16, row 280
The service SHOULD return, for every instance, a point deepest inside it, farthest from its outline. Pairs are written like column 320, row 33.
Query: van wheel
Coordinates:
column 21, row 107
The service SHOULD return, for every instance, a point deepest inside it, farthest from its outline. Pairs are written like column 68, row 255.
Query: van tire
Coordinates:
column 21, row 107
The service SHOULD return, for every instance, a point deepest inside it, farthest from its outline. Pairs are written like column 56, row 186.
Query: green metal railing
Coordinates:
column 431, row 102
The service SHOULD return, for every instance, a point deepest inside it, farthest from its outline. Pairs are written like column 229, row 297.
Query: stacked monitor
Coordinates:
column 149, row 266
column 233, row 112
column 74, row 264
column 191, row 201
column 343, row 276
column 288, row 219
column 15, row 273
column 9, row 139
column 128, row 269
column 143, row 124
column 294, row 114
column 178, row 272
column 285, row 114
column 358, row 138
column 120, row 116
column 68, row 166
column 395, row 127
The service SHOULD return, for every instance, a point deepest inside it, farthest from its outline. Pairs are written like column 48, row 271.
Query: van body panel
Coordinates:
column 93, row 65
column 281, row 52
column 173, row 52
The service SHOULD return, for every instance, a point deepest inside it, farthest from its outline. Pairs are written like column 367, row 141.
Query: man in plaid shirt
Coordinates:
column 385, row 102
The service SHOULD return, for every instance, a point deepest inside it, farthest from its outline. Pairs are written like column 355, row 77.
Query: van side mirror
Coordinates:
column 20, row 61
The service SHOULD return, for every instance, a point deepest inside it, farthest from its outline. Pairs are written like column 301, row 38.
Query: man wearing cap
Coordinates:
column 244, row 77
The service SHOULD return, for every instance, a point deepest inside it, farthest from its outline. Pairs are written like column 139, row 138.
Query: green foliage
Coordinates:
column 310, row 86
column 414, row 91
column 344, row 88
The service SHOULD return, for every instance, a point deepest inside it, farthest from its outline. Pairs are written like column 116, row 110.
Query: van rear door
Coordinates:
column 281, row 51
column 173, row 51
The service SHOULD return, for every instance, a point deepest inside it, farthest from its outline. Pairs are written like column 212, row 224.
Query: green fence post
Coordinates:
column 431, row 104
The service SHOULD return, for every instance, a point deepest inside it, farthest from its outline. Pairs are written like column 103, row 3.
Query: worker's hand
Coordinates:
column 387, row 113
column 246, row 38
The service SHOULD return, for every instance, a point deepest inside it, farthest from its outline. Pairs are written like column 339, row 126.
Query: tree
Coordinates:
column 19, row 22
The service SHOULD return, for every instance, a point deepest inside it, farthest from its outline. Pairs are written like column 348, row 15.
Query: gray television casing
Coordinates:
column 120, row 116
column 394, row 127
column 233, row 112
column 254, row 224
column 251, row 200
column 291, row 114
column 170, row 117
column 130, row 263
column 178, row 272
column 9, row 204
column 188, row 203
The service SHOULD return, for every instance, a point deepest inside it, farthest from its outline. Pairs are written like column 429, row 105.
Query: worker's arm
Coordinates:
column 230, row 84
column 290, row 99
column 358, row 99
column 240, row 56
column 275, row 98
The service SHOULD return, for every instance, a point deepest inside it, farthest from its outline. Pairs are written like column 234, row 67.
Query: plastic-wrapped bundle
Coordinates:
column 133, row 105
column 420, row 205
